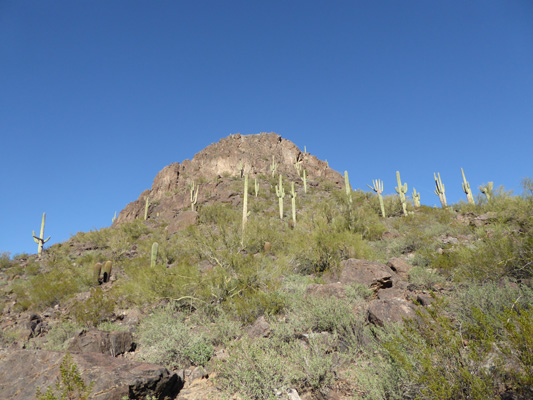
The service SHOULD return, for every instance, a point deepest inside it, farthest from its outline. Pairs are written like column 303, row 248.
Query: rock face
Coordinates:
column 374, row 275
column 213, row 168
column 94, row 341
column 24, row 371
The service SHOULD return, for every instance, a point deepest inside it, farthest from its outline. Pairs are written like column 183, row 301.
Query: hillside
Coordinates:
column 323, row 298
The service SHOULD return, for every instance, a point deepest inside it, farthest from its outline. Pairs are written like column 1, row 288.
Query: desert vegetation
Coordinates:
column 202, row 290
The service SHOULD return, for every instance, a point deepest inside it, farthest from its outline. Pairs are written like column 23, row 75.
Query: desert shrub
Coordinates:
column 5, row 261
column 428, row 278
column 59, row 334
column 70, row 385
column 467, row 350
column 96, row 309
column 50, row 288
column 165, row 338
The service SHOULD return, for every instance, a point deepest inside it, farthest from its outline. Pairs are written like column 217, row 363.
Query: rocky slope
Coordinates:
column 211, row 170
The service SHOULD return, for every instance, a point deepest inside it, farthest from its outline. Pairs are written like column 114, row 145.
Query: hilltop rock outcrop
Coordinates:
column 213, row 170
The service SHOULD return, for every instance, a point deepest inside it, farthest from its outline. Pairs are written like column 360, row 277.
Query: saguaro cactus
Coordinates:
column 245, row 203
column 153, row 255
column 304, row 178
column 273, row 166
column 146, row 205
column 378, row 188
column 416, row 198
column 347, row 186
column 280, row 192
column 486, row 190
column 401, row 190
column 97, row 269
column 106, row 271
column 439, row 190
column 194, row 196
column 293, row 203
column 467, row 190
column 256, row 187
column 39, row 239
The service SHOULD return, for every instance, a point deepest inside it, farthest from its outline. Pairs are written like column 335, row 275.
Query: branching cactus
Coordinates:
column 146, row 205
column 40, row 239
column 467, row 190
column 194, row 196
column 347, row 186
column 402, row 191
column 486, row 190
column 280, row 192
column 153, row 255
column 97, row 269
column 106, row 271
column 416, row 198
column 378, row 188
column 273, row 167
column 439, row 190
column 293, row 203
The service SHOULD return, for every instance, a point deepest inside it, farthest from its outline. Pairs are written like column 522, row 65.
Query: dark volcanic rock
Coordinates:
column 23, row 371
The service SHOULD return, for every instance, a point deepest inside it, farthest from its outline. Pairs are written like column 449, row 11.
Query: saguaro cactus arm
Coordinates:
column 39, row 239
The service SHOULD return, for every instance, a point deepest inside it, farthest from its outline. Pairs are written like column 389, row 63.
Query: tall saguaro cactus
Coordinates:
column 439, row 190
column 304, row 178
column 256, row 187
column 194, row 196
column 486, row 190
column 146, row 205
column 293, row 203
column 153, row 255
column 401, row 190
column 467, row 190
column 416, row 198
column 378, row 188
column 40, row 239
column 347, row 186
column 280, row 192
column 245, row 203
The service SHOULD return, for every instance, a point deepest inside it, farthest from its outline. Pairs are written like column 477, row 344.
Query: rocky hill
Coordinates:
column 266, row 154
column 312, row 296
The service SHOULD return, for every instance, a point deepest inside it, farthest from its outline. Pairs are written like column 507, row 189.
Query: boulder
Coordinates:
column 400, row 267
column 95, row 341
column 372, row 274
column 260, row 328
column 24, row 371
column 387, row 311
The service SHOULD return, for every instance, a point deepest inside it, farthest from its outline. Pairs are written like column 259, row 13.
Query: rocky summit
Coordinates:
column 211, row 170
column 254, row 271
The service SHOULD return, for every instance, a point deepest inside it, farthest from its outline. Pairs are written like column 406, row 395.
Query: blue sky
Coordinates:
column 96, row 97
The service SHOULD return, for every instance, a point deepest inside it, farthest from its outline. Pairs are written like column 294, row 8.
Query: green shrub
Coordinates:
column 165, row 338
column 70, row 385
column 97, row 309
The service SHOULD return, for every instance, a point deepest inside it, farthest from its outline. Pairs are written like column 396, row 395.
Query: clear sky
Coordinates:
column 96, row 97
